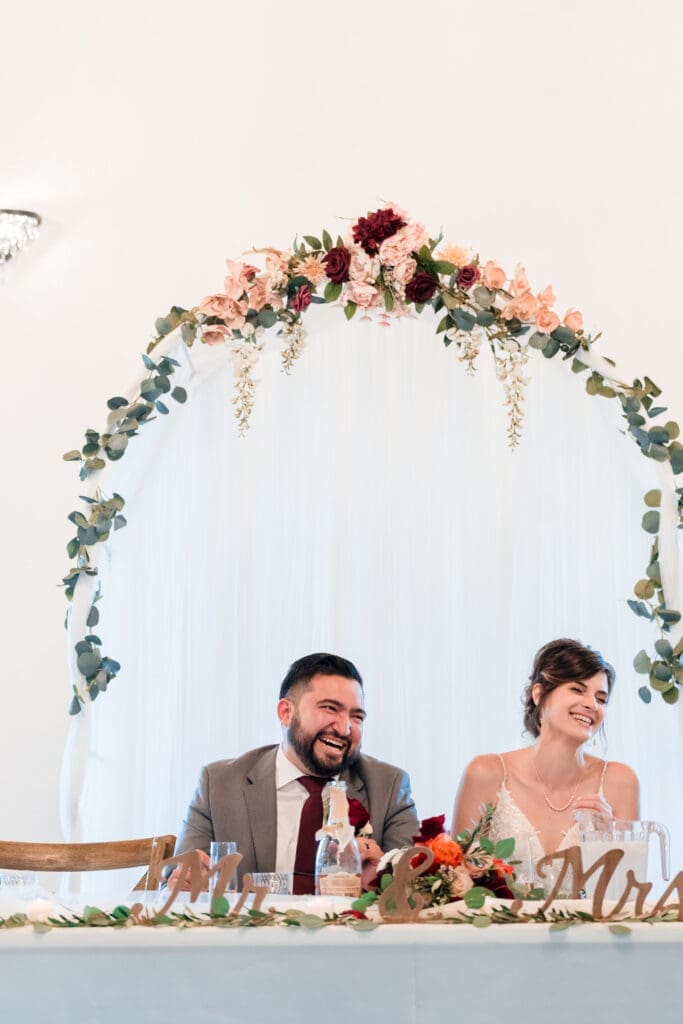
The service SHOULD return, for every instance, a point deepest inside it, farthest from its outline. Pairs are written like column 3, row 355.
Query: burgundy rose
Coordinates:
column 421, row 287
column 359, row 815
column 430, row 828
column 371, row 231
column 302, row 299
column 337, row 262
column 467, row 276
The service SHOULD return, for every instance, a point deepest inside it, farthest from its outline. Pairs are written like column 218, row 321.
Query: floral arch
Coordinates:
column 387, row 266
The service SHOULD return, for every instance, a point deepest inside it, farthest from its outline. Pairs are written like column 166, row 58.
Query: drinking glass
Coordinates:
column 217, row 852
column 279, row 883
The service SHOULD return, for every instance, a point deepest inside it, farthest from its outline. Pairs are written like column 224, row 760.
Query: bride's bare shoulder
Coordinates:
column 484, row 770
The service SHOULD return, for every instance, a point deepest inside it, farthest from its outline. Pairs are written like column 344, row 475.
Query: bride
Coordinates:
column 538, row 789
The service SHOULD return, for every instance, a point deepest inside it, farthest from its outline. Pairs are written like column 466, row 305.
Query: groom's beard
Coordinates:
column 314, row 755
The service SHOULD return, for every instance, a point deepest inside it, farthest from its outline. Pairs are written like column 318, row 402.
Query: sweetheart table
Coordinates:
column 404, row 974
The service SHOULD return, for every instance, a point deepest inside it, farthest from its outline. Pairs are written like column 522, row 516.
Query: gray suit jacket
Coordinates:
column 236, row 800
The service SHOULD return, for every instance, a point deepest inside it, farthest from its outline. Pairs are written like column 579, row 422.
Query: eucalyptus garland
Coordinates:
column 388, row 266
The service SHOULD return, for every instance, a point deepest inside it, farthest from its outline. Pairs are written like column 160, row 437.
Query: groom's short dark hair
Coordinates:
column 303, row 670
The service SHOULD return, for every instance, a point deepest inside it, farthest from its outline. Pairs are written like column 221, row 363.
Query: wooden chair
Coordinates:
column 129, row 853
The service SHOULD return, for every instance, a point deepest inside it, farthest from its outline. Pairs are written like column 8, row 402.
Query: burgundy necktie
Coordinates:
column 311, row 820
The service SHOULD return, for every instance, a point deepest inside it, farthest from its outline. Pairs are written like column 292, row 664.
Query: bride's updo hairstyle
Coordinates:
column 557, row 663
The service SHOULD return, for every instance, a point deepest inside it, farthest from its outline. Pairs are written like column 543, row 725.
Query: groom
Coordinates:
column 269, row 800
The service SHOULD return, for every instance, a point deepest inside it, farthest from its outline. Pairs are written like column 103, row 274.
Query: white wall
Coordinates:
column 158, row 138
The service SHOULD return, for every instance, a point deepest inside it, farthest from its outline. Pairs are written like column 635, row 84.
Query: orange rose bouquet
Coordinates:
column 469, row 867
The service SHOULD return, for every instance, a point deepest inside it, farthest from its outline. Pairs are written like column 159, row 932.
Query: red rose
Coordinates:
column 302, row 299
column 357, row 914
column 421, row 287
column 337, row 262
column 497, row 885
column 430, row 828
column 467, row 276
column 371, row 231
column 359, row 815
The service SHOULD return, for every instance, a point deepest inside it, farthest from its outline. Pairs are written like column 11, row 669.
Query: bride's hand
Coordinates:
column 595, row 805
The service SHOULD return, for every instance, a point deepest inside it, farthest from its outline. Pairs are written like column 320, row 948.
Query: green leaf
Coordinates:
column 314, row 242
column 672, row 429
column 671, row 696
column 504, row 848
column 676, row 456
column 349, row 309
column 619, row 929
column 551, row 348
column 74, row 706
column 650, row 522
column 93, row 617
column 120, row 522
column 444, row 324
column 481, row 920
column 267, row 317
column 444, row 267
column 327, row 241
column 594, row 383
column 559, row 926
column 645, row 694
column 640, row 609
column 538, row 340
column 464, row 320
column 644, row 589
column 179, row 394
column 332, row 291
column 485, row 318
column 188, row 332
column 117, row 403
column 160, row 407
column 220, row 907
column 363, row 926
column 311, row 921
column 483, row 296
column 149, row 363
column 664, row 649
column 653, row 499
column 641, row 663
column 388, row 300
column 475, row 897
column 72, row 456
column 88, row 663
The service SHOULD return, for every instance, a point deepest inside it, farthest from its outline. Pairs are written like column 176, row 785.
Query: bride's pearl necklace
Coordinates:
column 551, row 805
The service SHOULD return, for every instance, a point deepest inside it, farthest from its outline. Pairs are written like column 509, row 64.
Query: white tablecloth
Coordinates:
column 403, row 974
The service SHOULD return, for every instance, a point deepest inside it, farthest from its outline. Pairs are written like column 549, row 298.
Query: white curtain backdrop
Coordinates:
column 375, row 511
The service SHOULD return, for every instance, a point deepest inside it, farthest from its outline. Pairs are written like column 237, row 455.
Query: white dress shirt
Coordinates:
column 291, row 797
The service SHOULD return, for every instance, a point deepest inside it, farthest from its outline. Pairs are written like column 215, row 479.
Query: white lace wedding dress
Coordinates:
column 509, row 821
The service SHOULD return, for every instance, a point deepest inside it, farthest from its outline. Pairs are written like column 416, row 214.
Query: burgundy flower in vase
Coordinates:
column 337, row 262
column 302, row 300
column 421, row 287
column 371, row 231
column 467, row 276
column 359, row 815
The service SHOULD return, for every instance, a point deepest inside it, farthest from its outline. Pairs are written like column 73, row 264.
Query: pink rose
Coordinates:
column 521, row 308
column 215, row 335
column 215, row 305
column 461, row 882
column 362, row 293
column 409, row 239
column 519, row 283
column 546, row 320
column 235, row 283
column 261, row 294
column 362, row 267
column 404, row 270
column 493, row 275
column 547, row 296
column 573, row 319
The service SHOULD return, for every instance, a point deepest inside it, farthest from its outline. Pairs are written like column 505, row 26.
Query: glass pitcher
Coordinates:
column 599, row 833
